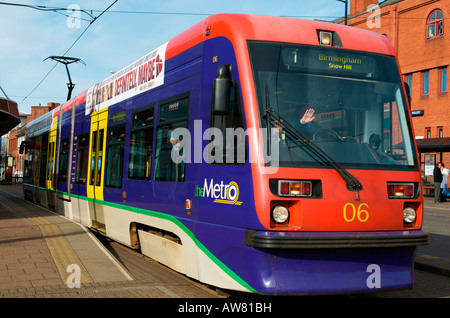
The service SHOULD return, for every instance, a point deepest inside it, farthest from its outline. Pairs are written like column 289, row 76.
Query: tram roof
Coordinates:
column 243, row 27
column 239, row 28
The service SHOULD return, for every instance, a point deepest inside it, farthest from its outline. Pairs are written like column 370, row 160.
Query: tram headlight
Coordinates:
column 280, row 214
column 409, row 215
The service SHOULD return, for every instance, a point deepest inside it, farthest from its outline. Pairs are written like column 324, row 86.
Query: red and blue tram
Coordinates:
column 262, row 154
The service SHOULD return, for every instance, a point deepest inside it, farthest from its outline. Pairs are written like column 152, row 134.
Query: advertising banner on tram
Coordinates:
column 140, row 76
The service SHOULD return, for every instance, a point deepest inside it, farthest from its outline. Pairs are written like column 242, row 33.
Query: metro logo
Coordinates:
column 220, row 192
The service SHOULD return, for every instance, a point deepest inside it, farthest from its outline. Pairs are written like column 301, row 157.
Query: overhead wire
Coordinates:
column 45, row 8
column 79, row 37
column 91, row 11
column 93, row 19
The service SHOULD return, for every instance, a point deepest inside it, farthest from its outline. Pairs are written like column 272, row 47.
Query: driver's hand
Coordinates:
column 308, row 116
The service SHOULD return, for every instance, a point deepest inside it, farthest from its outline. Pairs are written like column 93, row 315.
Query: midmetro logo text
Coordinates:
column 220, row 192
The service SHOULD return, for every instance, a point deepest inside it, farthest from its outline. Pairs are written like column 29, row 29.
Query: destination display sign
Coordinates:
column 317, row 60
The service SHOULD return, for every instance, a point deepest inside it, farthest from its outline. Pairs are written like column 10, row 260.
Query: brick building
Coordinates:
column 420, row 33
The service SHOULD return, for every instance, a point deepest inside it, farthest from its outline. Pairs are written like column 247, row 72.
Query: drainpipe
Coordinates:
column 394, row 31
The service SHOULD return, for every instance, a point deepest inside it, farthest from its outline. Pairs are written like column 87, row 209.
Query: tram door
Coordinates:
column 96, row 169
column 50, row 170
column 51, row 160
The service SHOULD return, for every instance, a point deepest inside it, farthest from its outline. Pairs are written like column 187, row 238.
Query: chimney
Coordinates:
column 359, row 6
column 52, row 105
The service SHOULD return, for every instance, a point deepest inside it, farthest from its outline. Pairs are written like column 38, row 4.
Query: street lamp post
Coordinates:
column 345, row 2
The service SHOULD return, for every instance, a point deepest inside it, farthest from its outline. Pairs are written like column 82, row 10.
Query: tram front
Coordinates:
column 345, row 194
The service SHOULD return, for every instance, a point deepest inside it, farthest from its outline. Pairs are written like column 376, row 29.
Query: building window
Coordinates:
column 409, row 82
column 440, row 131
column 428, row 132
column 425, row 81
column 435, row 24
column 443, row 80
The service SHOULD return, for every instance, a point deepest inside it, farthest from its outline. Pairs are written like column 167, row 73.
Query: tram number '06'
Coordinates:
column 351, row 212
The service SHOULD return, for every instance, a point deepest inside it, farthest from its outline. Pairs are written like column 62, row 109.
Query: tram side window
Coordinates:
column 63, row 160
column 82, row 159
column 28, row 161
column 170, row 165
column 114, row 159
column 227, row 144
column 36, row 157
column 141, row 144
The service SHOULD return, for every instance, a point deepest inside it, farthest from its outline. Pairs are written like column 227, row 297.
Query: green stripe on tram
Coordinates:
column 172, row 219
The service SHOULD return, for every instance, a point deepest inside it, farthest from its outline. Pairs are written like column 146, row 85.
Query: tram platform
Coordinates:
column 46, row 255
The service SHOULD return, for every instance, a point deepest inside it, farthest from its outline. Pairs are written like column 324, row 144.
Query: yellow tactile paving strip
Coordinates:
column 59, row 247
column 62, row 252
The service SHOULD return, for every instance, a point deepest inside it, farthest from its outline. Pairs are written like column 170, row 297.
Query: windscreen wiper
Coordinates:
column 300, row 139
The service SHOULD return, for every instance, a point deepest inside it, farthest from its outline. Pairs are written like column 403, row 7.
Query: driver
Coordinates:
column 306, row 126
column 303, row 125
column 308, row 117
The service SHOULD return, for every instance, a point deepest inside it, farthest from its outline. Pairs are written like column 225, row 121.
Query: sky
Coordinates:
column 118, row 37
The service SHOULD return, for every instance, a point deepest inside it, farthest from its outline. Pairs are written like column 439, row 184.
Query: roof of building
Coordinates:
column 433, row 144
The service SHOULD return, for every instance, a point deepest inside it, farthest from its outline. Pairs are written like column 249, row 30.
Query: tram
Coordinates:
column 254, row 153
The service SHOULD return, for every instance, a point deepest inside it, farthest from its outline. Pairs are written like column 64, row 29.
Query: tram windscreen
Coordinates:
column 356, row 100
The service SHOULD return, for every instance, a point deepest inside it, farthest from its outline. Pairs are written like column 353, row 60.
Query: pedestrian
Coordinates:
column 444, row 172
column 8, row 175
column 437, row 176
